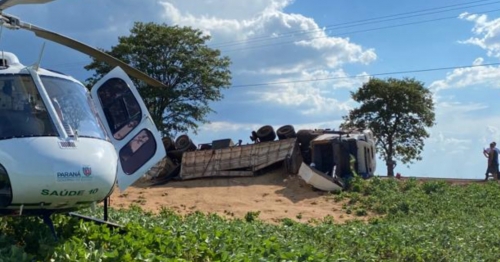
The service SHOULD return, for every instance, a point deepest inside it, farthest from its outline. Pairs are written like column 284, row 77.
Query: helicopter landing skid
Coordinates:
column 104, row 221
column 47, row 220
column 96, row 220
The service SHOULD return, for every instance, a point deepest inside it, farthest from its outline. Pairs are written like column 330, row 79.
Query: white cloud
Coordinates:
column 445, row 108
column 346, row 50
column 487, row 33
column 247, row 35
column 490, row 133
column 445, row 142
column 313, row 97
column 485, row 76
column 478, row 61
column 310, row 100
column 223, row 126
column 239, row 10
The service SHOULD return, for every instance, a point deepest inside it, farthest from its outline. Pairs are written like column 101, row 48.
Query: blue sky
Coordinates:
column 256, row 36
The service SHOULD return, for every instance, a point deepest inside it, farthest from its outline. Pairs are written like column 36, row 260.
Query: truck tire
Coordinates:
column 285, row 132
column 266, row 133
column 175, row 155
column 168, row 143
column 184, row 144
column 304, row 138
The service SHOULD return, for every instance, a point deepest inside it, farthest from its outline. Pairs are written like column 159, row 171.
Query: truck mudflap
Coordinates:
column 319, row 180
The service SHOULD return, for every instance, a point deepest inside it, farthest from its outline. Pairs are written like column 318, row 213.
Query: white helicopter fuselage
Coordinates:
column 62, row 147
column 46, row 175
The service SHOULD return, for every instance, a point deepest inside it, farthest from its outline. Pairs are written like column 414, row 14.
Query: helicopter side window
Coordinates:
column 121, row 108
column 138, row 151
column 22, row 111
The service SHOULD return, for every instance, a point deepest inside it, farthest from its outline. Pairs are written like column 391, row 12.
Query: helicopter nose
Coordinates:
column 5, row 188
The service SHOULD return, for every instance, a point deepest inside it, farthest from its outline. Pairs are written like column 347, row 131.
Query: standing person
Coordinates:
column 486, row 152
column 492, row 154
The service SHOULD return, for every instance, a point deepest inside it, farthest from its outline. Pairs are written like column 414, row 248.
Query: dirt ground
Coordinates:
column 276, row 195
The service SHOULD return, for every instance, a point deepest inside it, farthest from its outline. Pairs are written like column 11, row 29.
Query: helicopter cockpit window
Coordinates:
column 121, row 109
column 74, row 107
column 22, row 111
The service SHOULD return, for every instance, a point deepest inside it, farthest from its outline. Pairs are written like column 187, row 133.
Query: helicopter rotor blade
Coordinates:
column 4, row 4
column 79, row 46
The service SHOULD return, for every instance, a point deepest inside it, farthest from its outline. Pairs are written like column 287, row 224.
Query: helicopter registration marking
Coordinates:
column 48, row 192
column 79, row 175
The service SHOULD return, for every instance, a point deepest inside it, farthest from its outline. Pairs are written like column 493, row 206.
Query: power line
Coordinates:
column 350, row 24
column 364, row 76
column 352, row 32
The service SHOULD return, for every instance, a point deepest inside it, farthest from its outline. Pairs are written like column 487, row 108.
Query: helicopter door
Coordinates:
column 129, row 124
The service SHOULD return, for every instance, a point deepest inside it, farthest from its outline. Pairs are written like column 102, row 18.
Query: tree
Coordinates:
column 398, row 112
column 179, row 58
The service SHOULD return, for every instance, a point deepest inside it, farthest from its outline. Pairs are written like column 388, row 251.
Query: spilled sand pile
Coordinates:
column 276, row 195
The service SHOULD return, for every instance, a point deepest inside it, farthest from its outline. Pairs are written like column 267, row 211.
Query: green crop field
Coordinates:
column 411, row 221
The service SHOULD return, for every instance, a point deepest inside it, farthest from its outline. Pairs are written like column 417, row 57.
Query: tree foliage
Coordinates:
column 180, row 58
column 398, row 112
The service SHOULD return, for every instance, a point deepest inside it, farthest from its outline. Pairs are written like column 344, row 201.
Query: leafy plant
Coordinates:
column 252, row 216
column 430, row 221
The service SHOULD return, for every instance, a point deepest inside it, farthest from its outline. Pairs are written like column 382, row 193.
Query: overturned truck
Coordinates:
column 325, row 159
column 334, row 157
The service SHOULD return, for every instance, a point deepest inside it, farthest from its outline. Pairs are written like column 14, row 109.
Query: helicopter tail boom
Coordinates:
column 99, row 55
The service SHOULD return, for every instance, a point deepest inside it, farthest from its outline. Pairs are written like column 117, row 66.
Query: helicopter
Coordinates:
column 63, row 147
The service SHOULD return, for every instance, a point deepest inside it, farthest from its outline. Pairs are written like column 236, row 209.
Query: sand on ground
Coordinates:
column 276, row 195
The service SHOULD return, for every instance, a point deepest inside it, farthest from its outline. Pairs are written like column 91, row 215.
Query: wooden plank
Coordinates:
column 274, row 156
